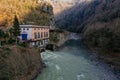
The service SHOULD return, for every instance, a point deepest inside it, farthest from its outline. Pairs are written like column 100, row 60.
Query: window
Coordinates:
column 38, row 34
column 23, row 28
column 27, row 28
column 35, row 35
column 41, row 42
column 41, row 34
column 46, row 41
column 44, row 34
column 34, row 28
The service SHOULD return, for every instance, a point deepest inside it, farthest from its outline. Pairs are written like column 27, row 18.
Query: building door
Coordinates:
column 24, row 36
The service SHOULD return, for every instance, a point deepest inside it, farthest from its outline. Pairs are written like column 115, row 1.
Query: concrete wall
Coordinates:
column 27, row 31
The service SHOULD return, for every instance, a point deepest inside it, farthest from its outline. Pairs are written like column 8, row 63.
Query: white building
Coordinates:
column 36, row 35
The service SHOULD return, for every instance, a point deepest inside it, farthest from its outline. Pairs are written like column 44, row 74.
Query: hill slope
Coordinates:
column 88, row 12
column 98, row 20
column 28, row 12
column 18, row 63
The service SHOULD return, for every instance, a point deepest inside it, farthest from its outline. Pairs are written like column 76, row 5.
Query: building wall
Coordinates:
column 27, row 31
column 32, row 31
column 42, row 32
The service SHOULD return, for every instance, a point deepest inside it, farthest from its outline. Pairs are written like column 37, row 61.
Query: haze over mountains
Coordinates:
column 60, row 6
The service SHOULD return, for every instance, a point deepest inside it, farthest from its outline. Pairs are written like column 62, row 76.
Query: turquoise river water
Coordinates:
column 73, row 61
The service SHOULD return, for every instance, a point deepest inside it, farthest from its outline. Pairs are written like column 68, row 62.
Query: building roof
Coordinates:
column 33, row 26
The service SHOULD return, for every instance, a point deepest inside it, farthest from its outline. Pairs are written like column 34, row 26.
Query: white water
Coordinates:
column 73, row 62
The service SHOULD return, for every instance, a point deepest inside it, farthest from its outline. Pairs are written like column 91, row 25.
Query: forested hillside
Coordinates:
column 98, row 20
column 89, row 12
column 99, row 23
column 36, row 12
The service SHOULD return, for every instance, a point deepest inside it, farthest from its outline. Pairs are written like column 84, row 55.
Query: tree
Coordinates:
column 1, row 36
column 16, row 28
column 10, row 32
column 6, row 36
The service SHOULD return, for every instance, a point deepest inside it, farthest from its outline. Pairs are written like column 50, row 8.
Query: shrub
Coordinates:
column 23, row 44
column 50, row 47
column 54, row 37
column 11, row 41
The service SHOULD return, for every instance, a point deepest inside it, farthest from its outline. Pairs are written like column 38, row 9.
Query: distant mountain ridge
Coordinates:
column 61, row 5
column 88, row 12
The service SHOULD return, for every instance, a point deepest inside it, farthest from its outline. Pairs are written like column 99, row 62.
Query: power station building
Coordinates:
column 35, row 35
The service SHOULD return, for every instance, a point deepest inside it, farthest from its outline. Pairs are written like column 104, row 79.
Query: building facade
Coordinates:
column 35, row 35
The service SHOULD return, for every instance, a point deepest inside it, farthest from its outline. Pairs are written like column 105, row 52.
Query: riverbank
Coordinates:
column 58, row 37
column 104, row 41
column 111, row 59
column 18, row 63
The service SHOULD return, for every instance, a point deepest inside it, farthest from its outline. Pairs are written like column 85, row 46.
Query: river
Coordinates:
column 74, row 62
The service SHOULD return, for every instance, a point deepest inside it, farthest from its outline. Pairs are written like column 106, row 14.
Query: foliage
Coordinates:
column 105, row 39
column 11, row 40
column 87, row 14
column 23, row 44
column 27, row 11
column 2, row 35
column 18, row 63
column 50, row 47
column 54, row 37
column 16, row 27
column 98, row 21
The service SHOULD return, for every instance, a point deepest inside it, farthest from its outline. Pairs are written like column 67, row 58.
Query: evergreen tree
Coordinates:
column 16, row 28
column 6, row 36
column 10, row 32
column 1, row 36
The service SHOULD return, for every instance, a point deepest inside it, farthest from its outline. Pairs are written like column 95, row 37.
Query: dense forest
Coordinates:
column 36, row 12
